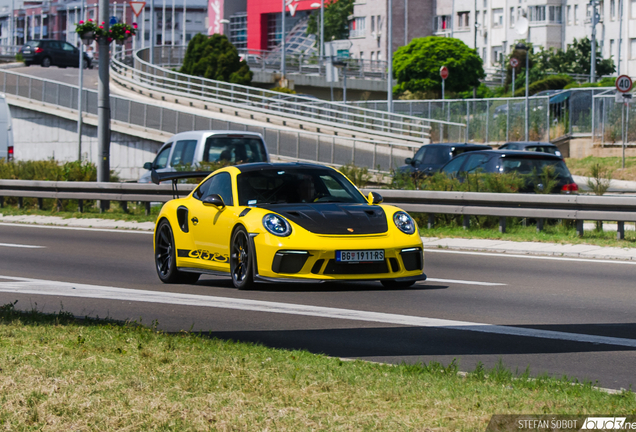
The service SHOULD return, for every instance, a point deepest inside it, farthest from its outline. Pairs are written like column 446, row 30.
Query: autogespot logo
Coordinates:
column 606, row 423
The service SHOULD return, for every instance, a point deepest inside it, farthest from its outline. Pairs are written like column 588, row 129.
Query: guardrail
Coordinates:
column 332, row 114
column 572, row 207
column 290, row 144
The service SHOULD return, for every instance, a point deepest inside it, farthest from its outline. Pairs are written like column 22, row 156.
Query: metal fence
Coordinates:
column 613, row 123
column 559, row 114
column 333, row 114
column 281, row 142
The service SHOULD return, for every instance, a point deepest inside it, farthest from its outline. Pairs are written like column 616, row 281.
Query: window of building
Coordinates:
column 238, row 30
column 612, row 10
column 569, row 14
column 632, row 48
column 497, row 17
column 537, row 13
column 554, row 14
column 633, row 8
column 485, row 15
column 442, row 23
column 485, row 4
column 497, row 55
column 357, row 27
column 372, row 23
column 612, row 48
column 372, row 55
column 463, row 20
column 512, row 17
column 576, row 14
column 483, row 55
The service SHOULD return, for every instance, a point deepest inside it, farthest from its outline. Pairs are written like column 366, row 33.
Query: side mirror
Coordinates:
column 375, row 198
column 148, row 166
column 214, row 200
column 408, row 161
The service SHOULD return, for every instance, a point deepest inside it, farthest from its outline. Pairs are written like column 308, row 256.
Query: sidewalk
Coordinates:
column 495, row 246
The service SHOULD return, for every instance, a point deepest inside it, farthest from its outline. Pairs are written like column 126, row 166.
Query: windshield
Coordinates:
column 543, row 149
column 295, row 186
column 234, row 150
column 532, row 166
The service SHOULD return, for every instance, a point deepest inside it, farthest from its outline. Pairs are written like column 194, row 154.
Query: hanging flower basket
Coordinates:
column 88, row 37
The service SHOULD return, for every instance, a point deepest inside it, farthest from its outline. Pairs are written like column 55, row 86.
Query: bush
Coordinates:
column 214, row 57
column 479, row 182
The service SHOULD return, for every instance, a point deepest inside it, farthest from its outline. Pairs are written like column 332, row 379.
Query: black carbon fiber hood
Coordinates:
column 334, row 218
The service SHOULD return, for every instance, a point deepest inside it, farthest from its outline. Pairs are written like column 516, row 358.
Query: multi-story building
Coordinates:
column 368, row 25
column 490, row 26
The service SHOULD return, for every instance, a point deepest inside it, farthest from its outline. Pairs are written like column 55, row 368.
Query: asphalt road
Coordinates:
column 64, row 75
column 554, row 316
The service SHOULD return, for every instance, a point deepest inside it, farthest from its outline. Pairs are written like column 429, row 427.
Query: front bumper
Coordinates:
column 291, row 260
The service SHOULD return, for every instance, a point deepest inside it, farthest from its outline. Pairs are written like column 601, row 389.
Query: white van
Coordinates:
column 192, row 148
column 6, row 130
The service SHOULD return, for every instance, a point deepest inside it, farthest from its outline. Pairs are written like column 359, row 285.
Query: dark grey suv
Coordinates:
column 47, row 52
column 431, row 157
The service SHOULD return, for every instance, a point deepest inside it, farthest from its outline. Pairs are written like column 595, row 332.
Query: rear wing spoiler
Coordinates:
column 175, row 176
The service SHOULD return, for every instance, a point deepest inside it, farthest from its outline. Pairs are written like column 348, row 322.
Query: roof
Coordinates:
column 264, row 166
column 519, row 154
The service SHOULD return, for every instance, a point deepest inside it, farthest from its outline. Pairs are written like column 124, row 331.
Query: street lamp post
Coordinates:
column 595, row 17
column 521, row 46
column 341, row 64
column 282, row 41
column 389, row 31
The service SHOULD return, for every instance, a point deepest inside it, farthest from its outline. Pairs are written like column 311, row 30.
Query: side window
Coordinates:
column 53, row 45
column 453, row 166
column 67, row 46
column 419, row 156
column 220, row 184
column 183, row 152
column 475, row 162
column 162, row 158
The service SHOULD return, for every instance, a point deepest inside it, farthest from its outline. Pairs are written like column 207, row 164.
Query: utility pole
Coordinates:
column 152, row 32
column 282, row 41
column 406, row 22
column 79, row 93
column 389, row 57
column 103, row 103
column 595, row 19
column 620, row 35
column 322, row 29
column 476, row 24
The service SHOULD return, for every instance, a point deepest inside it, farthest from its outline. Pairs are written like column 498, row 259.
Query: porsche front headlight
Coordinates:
column 276, row 225
column 404, row 222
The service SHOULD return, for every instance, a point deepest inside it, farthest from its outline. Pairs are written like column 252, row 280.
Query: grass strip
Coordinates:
column 59, row 373
column 614, row 165
column 557, row 233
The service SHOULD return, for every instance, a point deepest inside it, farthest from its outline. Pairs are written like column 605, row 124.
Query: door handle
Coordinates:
column 194, row 221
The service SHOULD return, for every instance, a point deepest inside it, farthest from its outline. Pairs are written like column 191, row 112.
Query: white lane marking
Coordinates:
column 29, row 225
column 538, row 257
column 18, row 285
column 465, row 282
column 21, row 246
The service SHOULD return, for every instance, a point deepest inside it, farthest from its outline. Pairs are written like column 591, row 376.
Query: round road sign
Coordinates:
column 514, row 62
column 623, row 83
column 443, row 72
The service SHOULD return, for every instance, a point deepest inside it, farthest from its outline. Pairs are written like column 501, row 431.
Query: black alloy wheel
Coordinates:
column 165, row 258
column 46, row 62
column 241, row 257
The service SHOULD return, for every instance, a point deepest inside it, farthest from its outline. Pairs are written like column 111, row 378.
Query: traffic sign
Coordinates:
column 112, row 21
column 137, row 7
column 443, row 72
column 514, row 62
column 623, row 83
column 624, row 98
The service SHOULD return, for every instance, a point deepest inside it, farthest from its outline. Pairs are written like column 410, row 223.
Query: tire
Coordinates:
column 393, row 284
column 46, row 62
column 165, row 258
column 241, row 256
column 27, row 64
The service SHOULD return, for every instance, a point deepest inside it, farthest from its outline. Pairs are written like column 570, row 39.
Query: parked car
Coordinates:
column 535, row 146
column 192, row 148
column 48, row 52
column 431, row 157
column 528, row 164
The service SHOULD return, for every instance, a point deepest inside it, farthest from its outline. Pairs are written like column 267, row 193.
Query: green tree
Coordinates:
column 214, row 57
column 577, row 59
column 416, row 66
column 336, row 20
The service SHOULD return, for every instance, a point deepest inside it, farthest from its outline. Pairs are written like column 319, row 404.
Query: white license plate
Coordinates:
column 360, row 255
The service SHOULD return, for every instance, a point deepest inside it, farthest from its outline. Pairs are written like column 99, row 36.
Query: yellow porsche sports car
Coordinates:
column 288, row 222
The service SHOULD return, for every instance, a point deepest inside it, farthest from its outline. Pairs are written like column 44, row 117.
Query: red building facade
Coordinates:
column 264, row 17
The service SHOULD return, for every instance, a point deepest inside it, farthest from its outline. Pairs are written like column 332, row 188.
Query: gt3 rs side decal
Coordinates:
column 203, row 255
